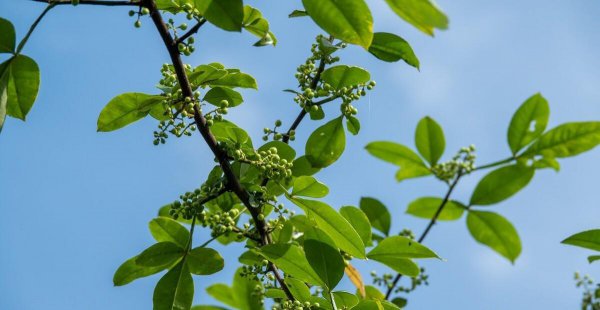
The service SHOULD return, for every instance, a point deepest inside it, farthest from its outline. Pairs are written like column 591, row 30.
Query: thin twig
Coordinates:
column 191, row 32
column 429, row 226
column 32, row 28
column 93, row 2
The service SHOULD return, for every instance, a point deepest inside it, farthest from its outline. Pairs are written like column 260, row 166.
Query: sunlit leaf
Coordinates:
column 422, row 14
column 390, row 47
column 528, row 122
column 589, row 239
column 345, row 76
column 204, row 261
column 326, row 144
column 426, row 207
column 348, row 20
column 160, row 254
column 225, row 14
column 359, row 220
column 429, row 139
column 496, row 232
column 378, row 214
column 175, row 290
column 308, row 186
column 166, row 229
column 501, row 184
column 126, row 109
column 566, row 140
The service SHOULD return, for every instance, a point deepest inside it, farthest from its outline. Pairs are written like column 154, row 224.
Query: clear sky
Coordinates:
column 76, row 203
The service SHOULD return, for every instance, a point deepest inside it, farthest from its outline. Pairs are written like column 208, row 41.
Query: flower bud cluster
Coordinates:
column 268, row 162
column 190, row 203
column 221, row 222
column 217, row 114
column 141, row 12
column 463, row 162
column 296, row 305
column 277, row 135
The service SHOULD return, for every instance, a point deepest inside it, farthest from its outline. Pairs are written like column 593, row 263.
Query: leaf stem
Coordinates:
column 429, row 226
column 191, row 32
column 32, row 28
column 494, row 164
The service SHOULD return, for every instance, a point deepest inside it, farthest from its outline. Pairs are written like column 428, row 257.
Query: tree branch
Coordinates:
column 191, row 32
column 232, row 181
column 93, row 2
column 428, row 228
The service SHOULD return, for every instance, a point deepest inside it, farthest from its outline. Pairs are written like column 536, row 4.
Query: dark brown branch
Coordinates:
column 93, row 2
column 428, row 228
column 191, row 32
column 232, row 181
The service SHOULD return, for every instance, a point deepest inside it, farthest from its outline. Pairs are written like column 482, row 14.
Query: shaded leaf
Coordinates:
column 204, row 261
column 175, row 290
column 7, row 36
column 23, row 86
column 130, row 271
column 225, row 14
column 411, row 165
column 323, row 257
column 217, row 94
column 390, row 47
column 378, row 214
column 359, row 220
column 166, row 229
column 292, row 260
column 160, row 254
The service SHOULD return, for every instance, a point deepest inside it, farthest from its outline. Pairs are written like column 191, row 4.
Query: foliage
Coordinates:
column 298, row 260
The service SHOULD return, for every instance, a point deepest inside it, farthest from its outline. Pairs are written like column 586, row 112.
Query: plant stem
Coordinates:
column 32, row 28
column 429, row 226
column 233, row 183
column 494, row 164
column 191, row 32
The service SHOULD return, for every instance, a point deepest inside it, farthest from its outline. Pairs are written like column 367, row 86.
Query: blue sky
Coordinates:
column 76, row 203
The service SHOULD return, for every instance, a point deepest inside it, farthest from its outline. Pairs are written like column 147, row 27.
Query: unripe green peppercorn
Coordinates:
column 137, row 24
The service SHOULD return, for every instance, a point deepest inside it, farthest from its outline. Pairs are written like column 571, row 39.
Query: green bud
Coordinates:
column 278, row 123
column 131, row 13
column 145, row 11
column 137, row 24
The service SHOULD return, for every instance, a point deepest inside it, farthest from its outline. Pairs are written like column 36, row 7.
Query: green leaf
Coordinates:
column 501, row 183
column 204, row 261
column 218, row 94
column 298, row 289
column 175, row 290
column 130, row 271
column 126, row 109
column 422, row 14
column 297, row 13
column 347, row 20
column 292, row 260
column 373, row 293
column 284, row 150
column 206, row 74
column 593, row 258
column 308, row 186
column 589, row 239
column 546, row 162
column 165, row 229
column 207, row 307
column 359, row 221
column 403, row 266
column 395, row 247
column 303, row 167
column 353, row 124
column 326, row 144
column 258, row 26
column 496, row 232
column 411, row 165
column 225, row 14
column 23, row 86
column 429, row 139
column 332, row 223
column 244, row 289
column 160, row 254
column 528, row 122
column 378, row 214
column 345, row 300
column 566, row 140
column 223, row 293
column 3, row 92
column 324, row 258
column 426, row 207
column 391, row 48
column 235, row 79
column 7, row 36
column 375, row 305
column 345, row 76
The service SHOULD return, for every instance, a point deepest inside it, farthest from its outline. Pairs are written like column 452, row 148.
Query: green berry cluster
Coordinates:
column 307, row 73
column 217, row 114
column 179, row 110
column 141, row 12
column 277, row 135
column 463, row 162
column 407, row 233
column 268, row 162
column 222, row 223
column 296, row 305
column 591, row 292
column 190, row 203
column 257, row 272
column 421, row 279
